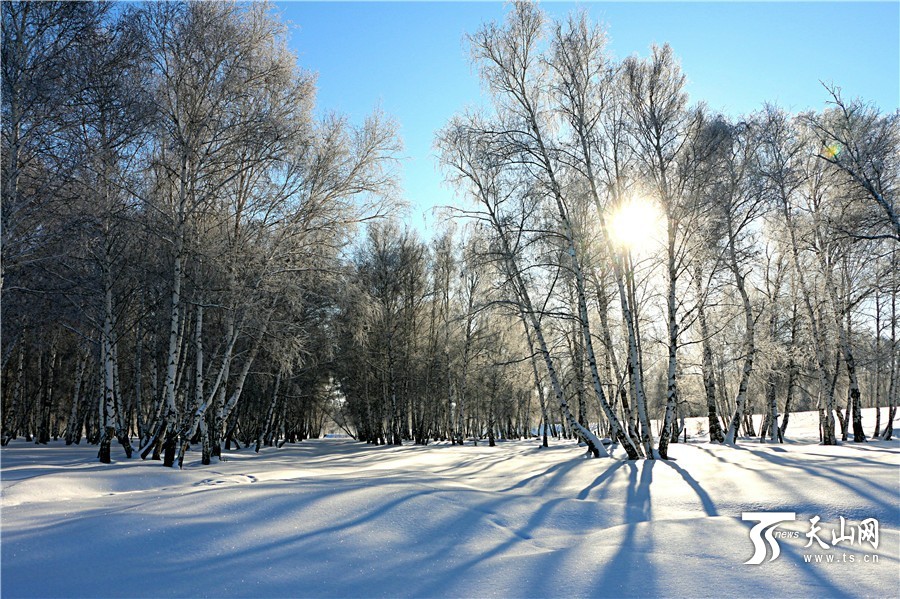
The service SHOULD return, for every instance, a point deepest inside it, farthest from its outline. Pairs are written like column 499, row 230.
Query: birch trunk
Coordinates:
column 108, row 403
column 853, row 408
column 138, row 386
column 74, row 426
column 616, row 430
column 46, row 403
column 175, row 331
column 242, row 378
column 771, row 425
column 461, row 391
column 578, row 371
column 709, row 377
column 827, row 392
column 199, row 411
column 792, row 371
column 635, row 373
column 594, row 444
column 893, row 385
column 749, row 348
column 671, row 310
column 265, row 429
column 615, row 370
column 847, row 351
column 877, row 400
column 537, row 378
column 219, row 391
column 156, row 403
column 172, row 357
column 394, row 418
column 122, row 425
column 11, row 417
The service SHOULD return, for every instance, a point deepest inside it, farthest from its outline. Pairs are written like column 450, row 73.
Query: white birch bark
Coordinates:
column 108, row 416
column 577, row 57
column 220, row 387
column 749, row 343
column 672, row 363
column 199, row 411
column 174, row 346
column 846, row 350
column 894, row 381
column 595, row 446
column 825, row 387
column 537, row 378
column 463, row 375
column 616, row 431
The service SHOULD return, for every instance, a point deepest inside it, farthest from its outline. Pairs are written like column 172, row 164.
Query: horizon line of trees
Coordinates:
column 190, row 256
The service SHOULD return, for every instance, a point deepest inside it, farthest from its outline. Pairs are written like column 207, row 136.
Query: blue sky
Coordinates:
column 410, row 58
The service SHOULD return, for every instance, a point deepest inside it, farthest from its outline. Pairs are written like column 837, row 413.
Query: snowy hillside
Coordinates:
column 336, row 518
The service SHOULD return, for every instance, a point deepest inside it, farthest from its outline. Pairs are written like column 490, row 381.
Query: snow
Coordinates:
column 335, row 518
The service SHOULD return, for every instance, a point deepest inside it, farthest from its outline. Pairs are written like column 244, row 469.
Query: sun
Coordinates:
column 634, row 225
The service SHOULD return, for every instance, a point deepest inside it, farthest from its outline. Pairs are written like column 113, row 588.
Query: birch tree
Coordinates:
column 511, row 68
column 862, row 144
column 589, row 105
column 661, row 127
column 475, row 164
column 783, row 166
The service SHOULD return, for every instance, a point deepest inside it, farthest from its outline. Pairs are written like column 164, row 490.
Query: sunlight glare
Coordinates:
column 634, row 225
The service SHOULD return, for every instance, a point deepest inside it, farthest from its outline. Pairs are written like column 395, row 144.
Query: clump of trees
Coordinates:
column 427, row 349
column 775, row 268
column 190, row 256
column 173, row 220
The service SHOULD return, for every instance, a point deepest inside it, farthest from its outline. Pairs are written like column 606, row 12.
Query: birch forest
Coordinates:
column 197, row 257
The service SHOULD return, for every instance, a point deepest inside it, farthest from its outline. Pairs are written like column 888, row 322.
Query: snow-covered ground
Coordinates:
column 338, row 518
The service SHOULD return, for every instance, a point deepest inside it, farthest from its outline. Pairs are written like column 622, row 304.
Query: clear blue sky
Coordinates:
column 410, row 58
